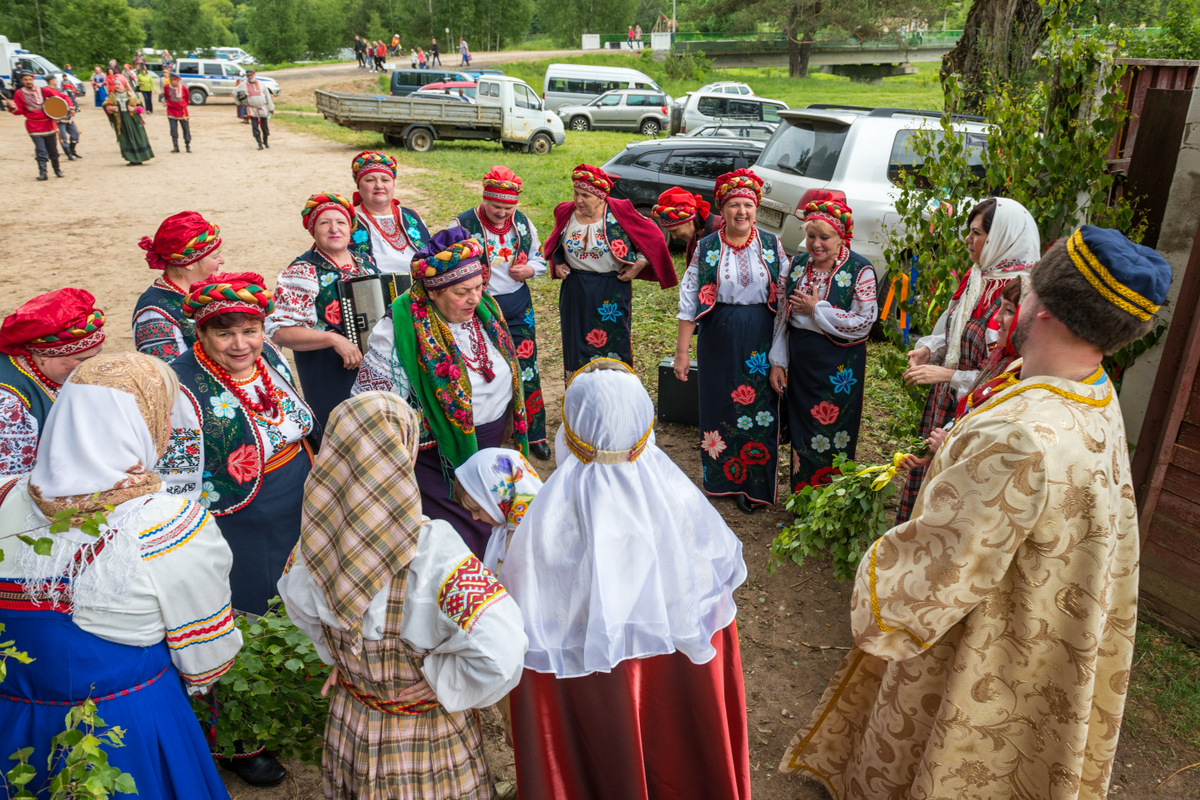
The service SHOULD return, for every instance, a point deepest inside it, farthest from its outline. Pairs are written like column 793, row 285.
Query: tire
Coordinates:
column 197, row 97
column 580, row 123
column 650, row 127
column 541, row 144
column 420, row 141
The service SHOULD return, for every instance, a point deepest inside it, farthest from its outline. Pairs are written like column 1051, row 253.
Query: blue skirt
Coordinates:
column 594, row 311
column 325, row 383
column 517, row 309
column 136, row 688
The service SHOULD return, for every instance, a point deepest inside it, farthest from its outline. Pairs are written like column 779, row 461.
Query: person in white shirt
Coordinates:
column 383, row 229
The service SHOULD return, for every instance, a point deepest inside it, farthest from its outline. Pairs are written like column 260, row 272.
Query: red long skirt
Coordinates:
column 659, row 728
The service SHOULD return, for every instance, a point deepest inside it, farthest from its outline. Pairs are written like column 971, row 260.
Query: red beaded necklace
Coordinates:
column 810, row 273
column 266, row 397
column 170, row 284
column 41, row 376
column 495, row 230
column 478, row 361
column 396, row 237
column 737, row 247
column 351, row 268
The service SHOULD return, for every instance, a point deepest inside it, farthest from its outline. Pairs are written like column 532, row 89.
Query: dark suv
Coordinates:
column 644, row 170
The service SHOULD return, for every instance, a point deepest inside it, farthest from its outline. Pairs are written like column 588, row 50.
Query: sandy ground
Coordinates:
column 83, row 229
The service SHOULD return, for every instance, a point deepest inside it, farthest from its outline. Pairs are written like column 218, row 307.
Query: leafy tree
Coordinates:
column 181, row 25
column 30, row 22
column 568, row 20
column 93, row 31
column 275, row 30
column 997, row 46
column 1179, row 37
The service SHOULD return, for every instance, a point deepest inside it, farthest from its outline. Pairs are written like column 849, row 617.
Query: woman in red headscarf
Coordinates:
column 730, row 292
column 686, row 217
column 384, row 230
column 308, row 313
column 43, row 341
column 598, row 246
column 820, row 356
column 186, row 249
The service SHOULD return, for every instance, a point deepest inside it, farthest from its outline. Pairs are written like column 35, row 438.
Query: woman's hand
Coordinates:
column 936, row 438
column 329, row 682
column 561, row 269
column 778, row 379
column 682, row 366
column 419, row 692
column 804, row 302
column 351, row 355
column 630, row 271
column 520, row 272
column 927, row 374
column 918, row 357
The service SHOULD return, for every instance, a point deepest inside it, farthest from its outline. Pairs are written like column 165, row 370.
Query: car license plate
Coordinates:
column 770, row 217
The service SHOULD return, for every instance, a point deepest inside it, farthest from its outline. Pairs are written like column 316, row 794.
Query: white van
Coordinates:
column 576, row 84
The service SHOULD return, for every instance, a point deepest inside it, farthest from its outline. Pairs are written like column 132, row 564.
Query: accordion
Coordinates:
column 366, row 300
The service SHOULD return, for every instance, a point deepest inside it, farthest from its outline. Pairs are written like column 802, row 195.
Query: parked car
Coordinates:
column 465, row 88
column 575, row 84
column 406, row 81
column 702, row 108
column 860, row 151
column 644, row 170
column 736, row 130
column 620, row 110
column 724, row 87
column 212, row 77
column 235, row 54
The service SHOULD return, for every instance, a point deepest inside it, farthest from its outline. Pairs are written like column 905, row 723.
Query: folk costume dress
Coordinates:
column 61, row 323
column 135, row 619
column 42, row 129
column 733, row 295
column 160, row 328
column 503, row 484
column 512, row 244
column 825, row 354
column 594, row 305
column 463, row 379
column 963, row 336
column 124, row 115
column 624, row 574
column 393, row 598
column 677, row 206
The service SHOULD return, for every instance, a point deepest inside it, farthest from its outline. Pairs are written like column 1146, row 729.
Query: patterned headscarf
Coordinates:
column 739, row 183
column 592, row 180
column 503, row 483
column 452, row 256
column 676, row 206
column 226, row 293
column 181, row 239
column 502, row 185
column 318, row 204
column 362, row 507
column 828, row 208
column 369, row 161
column 58, row 323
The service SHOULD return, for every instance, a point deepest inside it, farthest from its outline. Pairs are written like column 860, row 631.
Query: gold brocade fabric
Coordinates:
column 994, row 630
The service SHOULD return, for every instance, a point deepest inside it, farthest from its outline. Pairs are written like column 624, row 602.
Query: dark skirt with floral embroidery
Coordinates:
column 517, row 308
column 325, row 382
column 739, row 411
column 594, row 310
column 824, row 402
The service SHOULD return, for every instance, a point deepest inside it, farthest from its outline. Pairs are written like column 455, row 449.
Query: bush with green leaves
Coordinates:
column 78, row 761
column 272, row 693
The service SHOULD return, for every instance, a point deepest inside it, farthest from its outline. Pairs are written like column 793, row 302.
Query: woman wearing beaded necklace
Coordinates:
column 820, row 357
column 384, row 231
column 308, row 313
column 187, row 249
column 730, row 292
column 447, row 352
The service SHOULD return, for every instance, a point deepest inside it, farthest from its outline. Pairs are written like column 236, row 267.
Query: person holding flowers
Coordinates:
column 513, row 257
column 598, row 246
column 445, row 349
column 730, row 292
column 820, row 356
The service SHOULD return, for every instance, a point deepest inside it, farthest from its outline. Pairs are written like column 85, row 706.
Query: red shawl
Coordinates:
column 644, row 234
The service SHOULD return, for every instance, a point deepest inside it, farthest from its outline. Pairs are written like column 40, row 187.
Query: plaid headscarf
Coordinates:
column 362, row 507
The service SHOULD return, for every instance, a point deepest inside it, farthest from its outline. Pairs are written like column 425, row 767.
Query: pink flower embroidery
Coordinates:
column 618, row 248
column 825, row 412
column 708, row 294
column 596, row 338
column 743, row 395
column 713, row 444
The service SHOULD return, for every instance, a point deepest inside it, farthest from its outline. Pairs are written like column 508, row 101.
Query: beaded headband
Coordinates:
column 836, row 214
column 589, row 454
column 455, row 264
column 82, row 335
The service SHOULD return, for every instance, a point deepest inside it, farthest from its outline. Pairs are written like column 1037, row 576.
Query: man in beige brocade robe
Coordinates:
column 994, row 629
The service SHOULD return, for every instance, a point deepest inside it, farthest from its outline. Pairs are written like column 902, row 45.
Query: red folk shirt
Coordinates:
column 177, row 101
column 30, row 103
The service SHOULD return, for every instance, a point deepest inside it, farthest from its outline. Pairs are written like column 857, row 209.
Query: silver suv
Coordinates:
column 643, row 110
column 859, row 151
column 215, row 77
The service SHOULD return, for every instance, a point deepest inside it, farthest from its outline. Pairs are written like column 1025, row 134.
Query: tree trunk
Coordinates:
column 800, row 50
column 997, row 46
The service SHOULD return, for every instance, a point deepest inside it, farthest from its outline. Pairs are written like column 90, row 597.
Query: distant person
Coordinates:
column 99, row 87
column 358, row 51
column 29, row 101
column 259, row 107
column 465, row 52
column 395, row 48
column 175, row 95
column 125, row 117
column 68, row 131
column 168, row 60
column 629, row 37
column 412, row 57
column 145, row 86
column 421, row 59
column 637, row 36
column 380, row 55
column 435, row 54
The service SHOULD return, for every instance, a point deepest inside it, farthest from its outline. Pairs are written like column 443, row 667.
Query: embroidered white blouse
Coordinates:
column 586, row 247
column 502, row 254
column 473, row 655
column 387, row 257
column 854, row 323
column 742, row 278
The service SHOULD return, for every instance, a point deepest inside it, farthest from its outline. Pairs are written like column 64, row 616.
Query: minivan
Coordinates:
column 407, row 81
column 578, row 84
column 702, row 108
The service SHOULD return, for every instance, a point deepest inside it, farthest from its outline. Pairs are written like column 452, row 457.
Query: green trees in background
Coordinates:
column 568, row 20
column 90, row 32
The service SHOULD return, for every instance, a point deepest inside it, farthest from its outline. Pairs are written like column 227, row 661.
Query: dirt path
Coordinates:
column 83, row 230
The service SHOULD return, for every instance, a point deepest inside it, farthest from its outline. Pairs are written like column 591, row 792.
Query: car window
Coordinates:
column 609, row 100
column 770, row 113
column 673, row 164
column 705, row 164
column 523, row 98
column 212, row 69
column 188, row 68
column 652, row 160
column 746, row 109
column 712, row 106
column 805, row 147
column 230, row 69
column 903, row 159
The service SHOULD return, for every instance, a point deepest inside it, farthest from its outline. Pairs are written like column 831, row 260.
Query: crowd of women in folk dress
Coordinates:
column 386, row 494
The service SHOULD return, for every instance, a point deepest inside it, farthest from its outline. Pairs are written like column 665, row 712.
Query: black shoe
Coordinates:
column 540, row 451
column 42, row 176
column 256, row 770
column 75, row 151
column 744, row 505
column 266, row 144
column 70, row 155
column 54, row 165
column 260, row 145
column 175, row 149
column 188, row 147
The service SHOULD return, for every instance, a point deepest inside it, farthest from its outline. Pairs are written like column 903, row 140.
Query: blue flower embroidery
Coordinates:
column 764, row 418
column 768, row 255
column 521, row 228
column 360, row 236
column 527, row 374
column 609, row 312
column 712, row 258
column 610, row 218
column 745, row 423
column 327, row 278
column 224, row 405
column 843, row 279
column 528, row 318
column 820, row 443
column 757, row 363
column 841, row 439
column 843, row 380
column 414, row 236
column 209, row 494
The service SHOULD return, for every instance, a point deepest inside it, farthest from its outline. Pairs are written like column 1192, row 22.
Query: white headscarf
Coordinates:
column 503, row 483
column 1013, row 245
column 618, row 558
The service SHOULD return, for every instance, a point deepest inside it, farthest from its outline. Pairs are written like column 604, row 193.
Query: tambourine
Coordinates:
column 56, row 108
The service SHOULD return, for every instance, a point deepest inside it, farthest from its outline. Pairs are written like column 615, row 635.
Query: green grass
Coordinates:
column 1164, row 690
column 295, row 107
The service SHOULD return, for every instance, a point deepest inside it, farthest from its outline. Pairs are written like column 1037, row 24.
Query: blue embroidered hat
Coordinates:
column 1130, row 276
column 452, row 256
